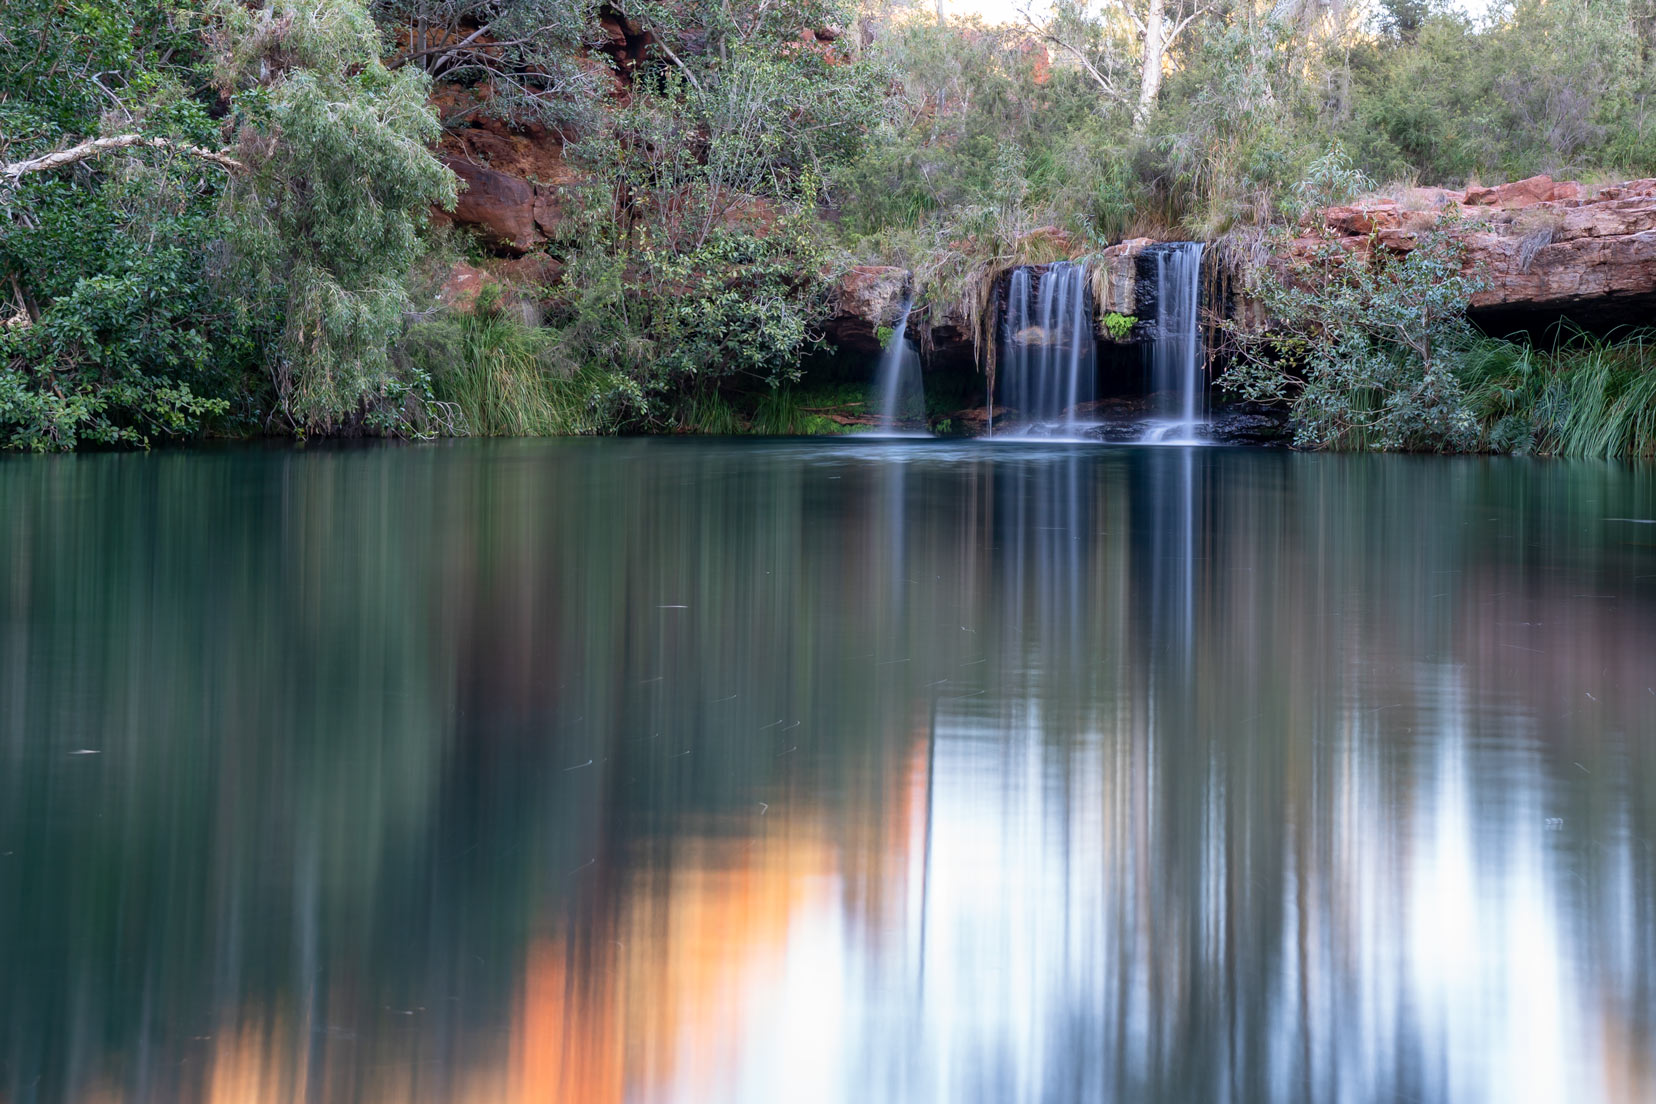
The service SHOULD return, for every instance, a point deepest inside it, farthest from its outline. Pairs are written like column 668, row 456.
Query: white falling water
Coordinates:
column 1048, row 353
column 1176, row 350
column 902, row 395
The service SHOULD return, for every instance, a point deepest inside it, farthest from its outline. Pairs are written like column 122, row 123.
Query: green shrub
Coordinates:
column 1365, row 347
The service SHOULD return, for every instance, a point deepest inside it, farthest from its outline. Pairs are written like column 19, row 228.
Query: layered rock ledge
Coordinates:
column 1545, row 250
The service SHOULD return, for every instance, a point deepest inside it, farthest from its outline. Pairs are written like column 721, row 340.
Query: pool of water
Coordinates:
column 670, row 771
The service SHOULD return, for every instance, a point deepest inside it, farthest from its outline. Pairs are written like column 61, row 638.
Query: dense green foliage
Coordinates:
column 252, row 269
column 118, row 332
column 1373, row 351
column 166, row 291
column 700, row 267
column 1366, row 346
column 1254, row 96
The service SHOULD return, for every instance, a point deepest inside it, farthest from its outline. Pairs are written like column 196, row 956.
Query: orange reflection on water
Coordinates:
column 255, row 1064
column 666, row 1007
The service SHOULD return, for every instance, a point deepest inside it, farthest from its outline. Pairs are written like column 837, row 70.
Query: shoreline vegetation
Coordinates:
column 228, row 220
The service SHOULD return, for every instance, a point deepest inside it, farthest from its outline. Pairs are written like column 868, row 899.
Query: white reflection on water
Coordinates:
column 1419, row 952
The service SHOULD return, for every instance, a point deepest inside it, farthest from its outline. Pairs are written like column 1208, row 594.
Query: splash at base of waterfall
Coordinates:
column 1165, row 432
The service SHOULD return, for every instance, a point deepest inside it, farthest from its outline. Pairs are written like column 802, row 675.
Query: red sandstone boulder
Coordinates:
column 462, row 286
column 525, row 284
column 515, row 178
column 867, row 298
column 501, row 207
column 1523, row 193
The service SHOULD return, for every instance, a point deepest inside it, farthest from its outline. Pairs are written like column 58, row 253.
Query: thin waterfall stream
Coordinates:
column 902, row 394
column 1048, row 349
column 1175, row 353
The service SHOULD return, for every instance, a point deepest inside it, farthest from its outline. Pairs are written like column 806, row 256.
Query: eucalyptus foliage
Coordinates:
column 1365, row 347
column 327, row 222
column 158, row 292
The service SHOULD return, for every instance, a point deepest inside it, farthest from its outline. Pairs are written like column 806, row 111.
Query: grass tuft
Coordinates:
column 1588, row 397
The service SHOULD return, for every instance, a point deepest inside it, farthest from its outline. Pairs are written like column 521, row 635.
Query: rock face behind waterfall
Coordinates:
column 868, row 298
column 1545, row 249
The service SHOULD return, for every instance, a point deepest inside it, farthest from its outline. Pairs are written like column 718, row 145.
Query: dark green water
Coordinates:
column 728, row 773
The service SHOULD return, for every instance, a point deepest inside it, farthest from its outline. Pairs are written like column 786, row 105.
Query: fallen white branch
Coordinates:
column 13, row 172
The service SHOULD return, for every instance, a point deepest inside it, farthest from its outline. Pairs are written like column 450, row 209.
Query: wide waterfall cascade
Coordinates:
column 1049, row 355
column 902, row 394
column 1175, row 351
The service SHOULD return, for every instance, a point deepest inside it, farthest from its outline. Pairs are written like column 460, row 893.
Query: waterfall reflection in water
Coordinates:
column 679, row 771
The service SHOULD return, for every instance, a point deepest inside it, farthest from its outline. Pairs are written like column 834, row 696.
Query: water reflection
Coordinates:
column 673, row 771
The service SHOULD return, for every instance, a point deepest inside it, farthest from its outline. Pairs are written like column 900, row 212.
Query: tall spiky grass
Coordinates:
column 781, row 413
column 1588, row 397
column 497, row 372
column 709, row 413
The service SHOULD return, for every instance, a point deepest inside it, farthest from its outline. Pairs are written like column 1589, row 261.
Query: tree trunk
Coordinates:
column 1154, row 48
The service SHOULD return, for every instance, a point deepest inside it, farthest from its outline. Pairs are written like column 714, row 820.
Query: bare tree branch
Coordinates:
column 446, row 47
column 1182, row 24
column 685, row 69
column 1048, row 33
column 13, row 172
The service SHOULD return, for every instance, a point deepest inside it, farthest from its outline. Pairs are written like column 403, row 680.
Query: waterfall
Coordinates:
column 898, row 381
column 1176, row 350
column 1048, row 350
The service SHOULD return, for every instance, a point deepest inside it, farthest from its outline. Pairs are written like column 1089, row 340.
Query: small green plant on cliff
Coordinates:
column 1365, row 346
column 1118, row 325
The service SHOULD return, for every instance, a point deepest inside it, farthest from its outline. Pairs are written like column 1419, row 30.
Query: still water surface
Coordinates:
column 678, row 772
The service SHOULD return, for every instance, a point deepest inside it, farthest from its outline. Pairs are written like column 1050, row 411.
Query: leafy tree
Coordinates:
column 1403, row 19
column 121, row 331
column 152, row 273
column 327, row 218
column 1365, row 346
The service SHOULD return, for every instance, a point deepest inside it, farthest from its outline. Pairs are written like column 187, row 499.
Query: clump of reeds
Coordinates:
column 497, row 371
column 1588, row 396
